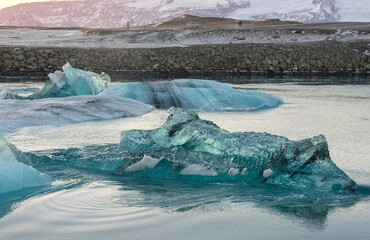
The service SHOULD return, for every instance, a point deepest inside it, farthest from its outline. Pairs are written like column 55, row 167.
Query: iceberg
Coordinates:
column 14, row 175
column 186, row 147
column 194, row 94
column 8, row 94
column 70, row 82
column 16, row 114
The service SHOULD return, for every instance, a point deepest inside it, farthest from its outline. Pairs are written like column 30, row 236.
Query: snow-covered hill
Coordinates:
column 116, row 13
column 291, row 10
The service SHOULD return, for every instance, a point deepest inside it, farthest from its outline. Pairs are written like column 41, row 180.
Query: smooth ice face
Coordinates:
column 15, row 175
column 71, row 82
column 194, row 94
column 16, row 114
column 189, row 148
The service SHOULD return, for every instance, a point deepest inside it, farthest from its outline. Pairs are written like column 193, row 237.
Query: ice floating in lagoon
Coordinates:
column 15, row 175
column 71, row 82
column 83, row 82
column 190, row 148
column 16, row 114
column 186, row 93
column 194, row 94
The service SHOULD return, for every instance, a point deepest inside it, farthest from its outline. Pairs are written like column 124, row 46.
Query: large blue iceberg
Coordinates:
column 15, row 175
column 188, row 148
column 70, row 82
column 185, row 93
column 194, row 94
column 16, row 114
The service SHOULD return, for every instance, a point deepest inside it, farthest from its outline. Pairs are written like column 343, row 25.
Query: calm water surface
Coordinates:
column 83, row 204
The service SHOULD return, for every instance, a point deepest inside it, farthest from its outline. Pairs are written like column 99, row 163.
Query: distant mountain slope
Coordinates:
column 116, row 13
column 297, row 10
column 112, row 13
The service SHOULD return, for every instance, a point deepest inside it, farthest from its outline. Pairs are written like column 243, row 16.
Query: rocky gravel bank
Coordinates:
column 319, row 58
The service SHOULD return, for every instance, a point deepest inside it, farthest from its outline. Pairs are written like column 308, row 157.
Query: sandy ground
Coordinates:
column 186, row 34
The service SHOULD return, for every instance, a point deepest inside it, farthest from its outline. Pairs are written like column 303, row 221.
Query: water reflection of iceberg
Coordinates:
column 304, row 207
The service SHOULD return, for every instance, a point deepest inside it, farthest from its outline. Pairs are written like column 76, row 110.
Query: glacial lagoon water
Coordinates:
column 86, row 204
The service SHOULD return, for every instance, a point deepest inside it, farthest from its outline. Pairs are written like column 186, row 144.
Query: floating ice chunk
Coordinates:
column 16, row 176
column 16, row 114
column 233, row 172
column 84, row 82
column 186, row 137
column 191, row 146
column 198, row 170
column 146, row 162
column 194, row 94
column 71, row 82
column 8, row 94
column 267, row 173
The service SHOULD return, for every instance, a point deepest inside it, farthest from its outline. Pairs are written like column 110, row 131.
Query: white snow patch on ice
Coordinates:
column 146, row 162
column 233, row 172
column 267, row 173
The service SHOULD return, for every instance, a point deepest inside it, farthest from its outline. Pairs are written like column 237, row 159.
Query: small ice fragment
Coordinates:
column 233, row 172
column 267, row 173
column 146, row 162
column 245, row 171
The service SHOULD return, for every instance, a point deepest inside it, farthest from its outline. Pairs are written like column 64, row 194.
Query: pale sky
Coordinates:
column 8, row 3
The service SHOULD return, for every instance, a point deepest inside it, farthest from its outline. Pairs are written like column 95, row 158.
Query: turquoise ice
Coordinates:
column 194, row 94
column 15, row 175
column 188, row 148
column 70, row 82
column 185, row 93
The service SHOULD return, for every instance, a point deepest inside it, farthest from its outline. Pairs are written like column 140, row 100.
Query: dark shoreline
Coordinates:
column 328, row 58
column 232, row 79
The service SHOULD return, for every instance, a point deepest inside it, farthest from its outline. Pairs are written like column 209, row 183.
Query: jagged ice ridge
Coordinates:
column 188, row 148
